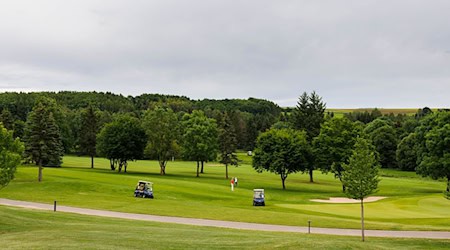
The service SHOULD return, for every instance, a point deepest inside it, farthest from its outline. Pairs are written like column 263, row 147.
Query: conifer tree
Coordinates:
column 88, row 133
column 227, row 144
column 309, row 116
column 43, row 144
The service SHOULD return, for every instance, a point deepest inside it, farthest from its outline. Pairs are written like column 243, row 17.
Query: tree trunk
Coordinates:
column 125, row 164
column 111, row 163
column 283, row 178
column 362, row 219
column 120, row 166
column 92, row 161
column 311, row 175
column 198, row 166
column 448, row 185
column 162, row 165
column 40, row 171
column 226, row 171
column 202, row 168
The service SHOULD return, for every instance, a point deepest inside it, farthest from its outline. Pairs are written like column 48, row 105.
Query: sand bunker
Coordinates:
column 347, row 200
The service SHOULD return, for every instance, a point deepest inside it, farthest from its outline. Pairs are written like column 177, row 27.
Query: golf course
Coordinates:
column 411, row 203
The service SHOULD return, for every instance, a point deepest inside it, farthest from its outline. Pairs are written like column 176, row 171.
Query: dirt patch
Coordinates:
column 348, row 200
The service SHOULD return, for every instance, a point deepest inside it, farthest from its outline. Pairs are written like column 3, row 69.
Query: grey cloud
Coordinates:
column 353, row 53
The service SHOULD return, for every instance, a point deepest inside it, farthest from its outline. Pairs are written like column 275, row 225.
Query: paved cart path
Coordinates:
column 227, row 224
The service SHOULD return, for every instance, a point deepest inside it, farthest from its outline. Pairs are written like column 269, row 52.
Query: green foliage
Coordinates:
column 199, row 138
column 10, row 155
column 281, row 151
column 161, row 126
column 7, row 119
column 122, row 140
column 335, row 143
column 383, row 136
column 88, row 133
column 364, row 117
column 433, row 136
column 227, row 144
column 309, row 114
column 406, row 153
column 360, row 176
column 43, row 143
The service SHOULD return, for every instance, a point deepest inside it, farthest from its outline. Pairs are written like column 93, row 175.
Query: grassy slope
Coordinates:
column 32, row 229
column 414, row 203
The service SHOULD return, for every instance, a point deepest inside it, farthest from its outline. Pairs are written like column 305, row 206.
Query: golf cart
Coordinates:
column 258, row 197
column 144, row 189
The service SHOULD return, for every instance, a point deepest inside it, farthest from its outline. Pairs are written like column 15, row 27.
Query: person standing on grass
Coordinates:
column 235, row 181
column 232, row 184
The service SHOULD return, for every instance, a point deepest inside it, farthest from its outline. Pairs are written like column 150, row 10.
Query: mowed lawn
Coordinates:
column 33, row 229
column 413, row 203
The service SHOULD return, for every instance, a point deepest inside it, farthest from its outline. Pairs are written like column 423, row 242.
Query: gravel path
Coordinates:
column 228, row 224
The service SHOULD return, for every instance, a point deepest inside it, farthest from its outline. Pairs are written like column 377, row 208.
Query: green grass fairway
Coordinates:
column 32, row 229
column 406, row 111
column 413, row 203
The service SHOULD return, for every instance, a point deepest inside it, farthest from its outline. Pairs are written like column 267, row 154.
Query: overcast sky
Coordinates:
column 392, row 53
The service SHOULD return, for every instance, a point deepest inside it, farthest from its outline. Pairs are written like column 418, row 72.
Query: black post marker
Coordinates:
column 54, row 206
column 309, row 226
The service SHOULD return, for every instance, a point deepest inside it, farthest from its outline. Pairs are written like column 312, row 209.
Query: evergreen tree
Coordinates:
column 42, row 138
column 7, row 119
column 308, row 116
column 227, row 144
column 88, row 133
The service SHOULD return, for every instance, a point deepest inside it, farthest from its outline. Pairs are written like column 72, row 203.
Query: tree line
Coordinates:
column 163, row 127
column 312, row 139
column 149, row 126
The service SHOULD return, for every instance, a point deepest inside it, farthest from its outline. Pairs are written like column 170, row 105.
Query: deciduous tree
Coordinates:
column 406, row 153
column 333, row 147
column 281, row 151
column 121, row 141
column 10, row 155
column 199, row 138
column 161, row 125
column 360, row 175
column 433, row 142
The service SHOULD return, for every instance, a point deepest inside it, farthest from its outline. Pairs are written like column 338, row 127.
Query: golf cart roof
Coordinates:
column 146, row 182
column 258, row 190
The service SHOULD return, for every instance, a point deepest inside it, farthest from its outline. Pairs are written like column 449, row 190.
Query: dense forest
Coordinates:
column 249, row 117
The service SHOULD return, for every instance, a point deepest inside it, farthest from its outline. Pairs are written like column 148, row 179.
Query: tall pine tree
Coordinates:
column 308, row 116
column 227, row 143
column 43, row 144
column 88, row 133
